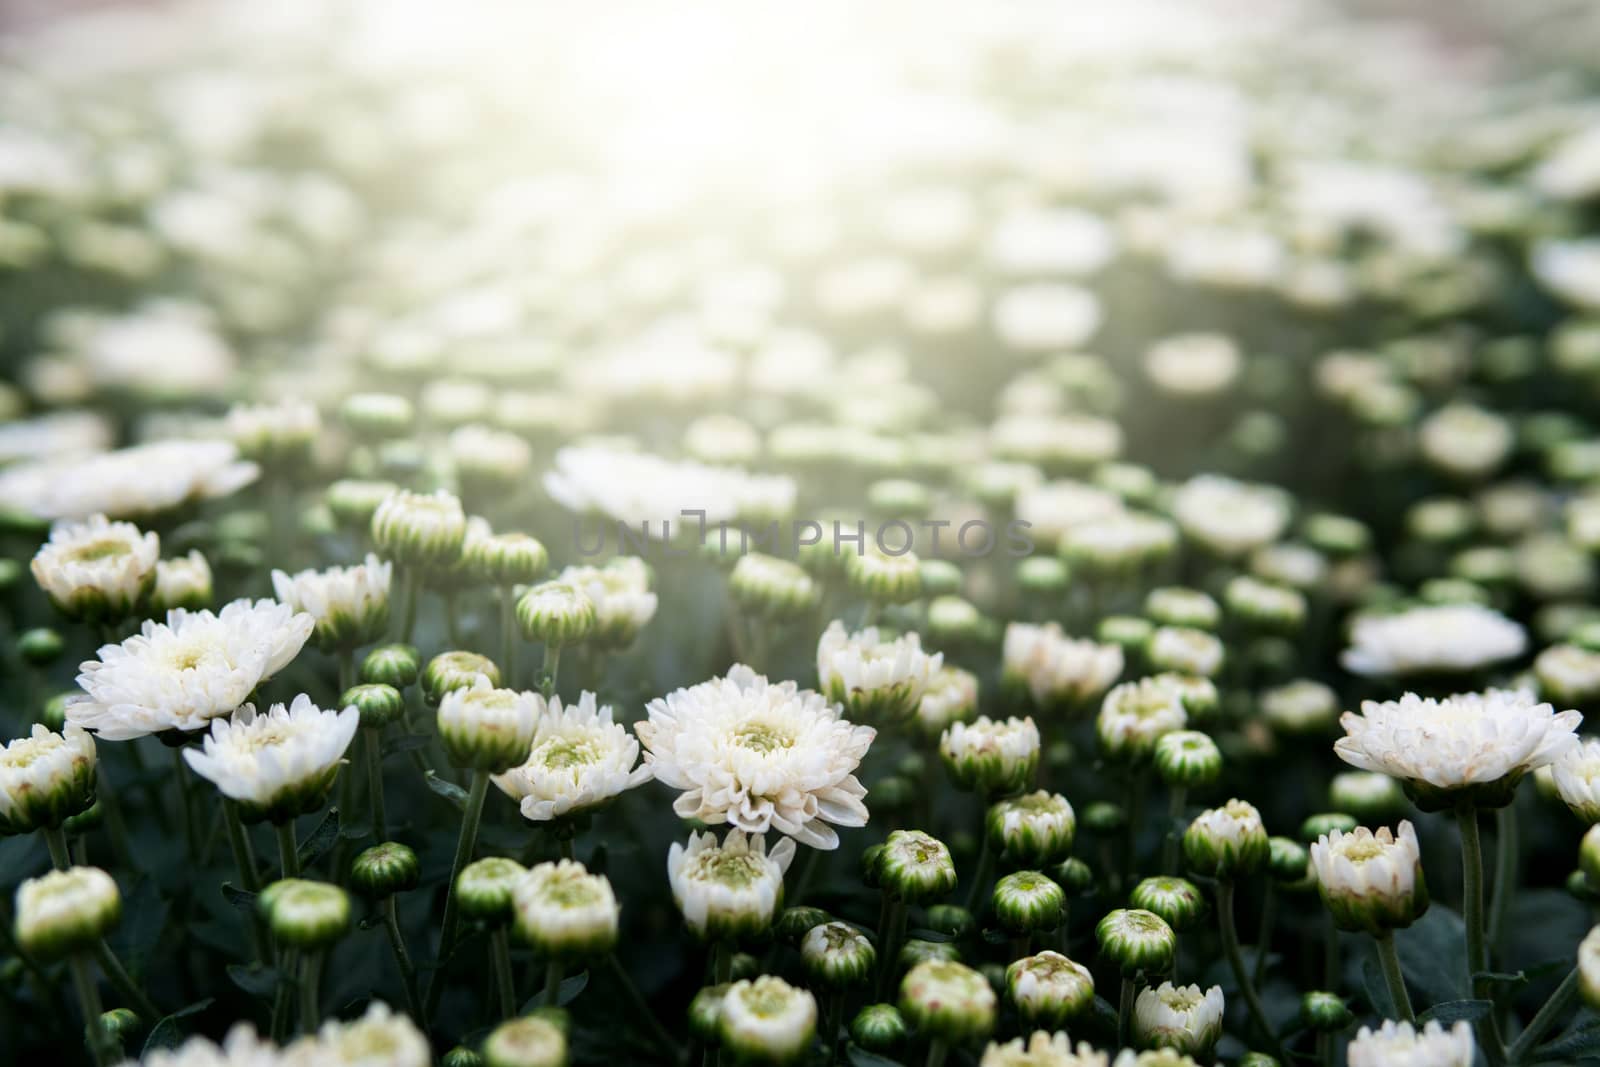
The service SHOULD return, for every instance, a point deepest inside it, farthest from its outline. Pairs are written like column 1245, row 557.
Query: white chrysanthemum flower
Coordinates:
column 1228, row 517
column 952, row 696
column 1056, row 669
column 1395, row 1044
column 565, row 912
column 992, row 757
column 1570, row 170
column 1441, row 638
column 1569, row 269
column 1118, row 542
column 278, row 764
column 640, row 489
column 1300, row 706
column 623, row 602
column 1054, row 508
column 875, row 678
column 1371, row 881
column 1185, row 649
column 274, row 433
column 131, row 482
column 183, row 582
column 729, row 890
column 1184, row 1018
column 486, row 457
column 1074, row 441
column 45, row 778
column 241, row 1048
column 1135, row 715
column 758, row 755
column 1465, row 440
column 1568, row 674
column 1044, row 315
column 580, row 760
column 380, row 1038
column 1194, row 364
column 1043, row 1050
column 488, row 728
column 767, row 1020
column 1577, row 778
column 97, row 570
column 350, row 604
column 181, row 674
column 54, row 435
column 1480, row 741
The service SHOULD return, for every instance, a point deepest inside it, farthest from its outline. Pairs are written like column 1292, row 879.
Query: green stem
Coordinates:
column 127, row 988
column 508, row 636
column 1230, row 944
column 1269, row 916
column 1125, row 1009
column 722, row 962
column 1133, row 809
column 409, row 579
column 980, row 875
column 372, row 742
column 552, row 982
column 288, row 964
column 239, row 842
column 834, row 1023
column 889, row 941
column 1505, row 873
column 347, row 670
column 1472, row 914
column 185, row 813
column 1546, row 1018
column 547, row 673
column 470, row 818
column 500, row 950
column 402, row 958
column 641, row 1010
column 288, row 849
column 1392, row 976
column 1176, row 799
column 310, row 1012
column 937, row 1051
column 56, row 839
column 111, row 801
column 452, row 617
column 1330, row 953
column 100, row 1044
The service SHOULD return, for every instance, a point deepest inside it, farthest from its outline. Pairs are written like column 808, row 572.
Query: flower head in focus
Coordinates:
column 277, row 764
column 579, row 761
column 350, row 604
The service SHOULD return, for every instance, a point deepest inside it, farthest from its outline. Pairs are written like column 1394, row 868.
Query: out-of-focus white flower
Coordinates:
column 1442, row 638
column 1371, row 881
column 159, row 351
column 1228, row 517
column 565, row 912
column 278, row 764
column 57, row 435
column 1577, row 778
column 1045, row 315
column 1184, row 1018
column 97, row 570
column 1057, row 670
column 1195, row 364
column 274, row 434
column 991, row 757
column 1569, row 269
column 182, row 673
column 875, row 678
column 380, row 1038
column 242, row 1047
column 1571, row 169
column 1301, row 706
column 1051, row 241
column 951, row 696
column 1135, row 715
column 486, row 458
column 1394, row 1043
column 184, row 582
column 1464, row 440
column 579, row 761
column 1056, row 442
column 131, row 482
column 350, row 604
column 1043, row 1050
column 647, row 492
column 1483, row 742
column 758, row 755
column 623, row 602
column 1185, row 649
column 730, row 890
column 1118, row 543
column 45, row 778
column 1055, row 508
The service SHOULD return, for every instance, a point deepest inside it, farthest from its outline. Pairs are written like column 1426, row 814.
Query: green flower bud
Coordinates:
column 1179, row 606
column 879, row 1028
column 1288, row 861
column 1137, row 940
column 915, row 867
column 1027, row 902
column 376, row 416
column 1578, row 885
column 1043, row 576
column 485, row 887
column 1198, row 695
column 418, row 530
column 771, row 587
column 991, row 757
column 353, row 501
column 488, row 729
column 837, row 956
column 1135, row 715
column 1324, row 1013
column 1185, row 650
column 705, row 1012
column 1188, row 758
column 1177, row 901
column 461, row 1056
column 505, row 559
column 870, row 857
column 1315, row 826
column 948, row 1002
column 84, row 821
column 527, row 1041
column 65, row 912
column 1367, row 795
column 893, row 794
column 940, row 577
column 1265, row 606
column 1589, row 969
column 304, row 914
column 951, row 919
column 1369, row 881
column 915, row 950
column 556, row 613
column 1128, row 632
column 882, row 578
column 899, row 498
column 40, row 646
column 394, row 665
column 379, row 705
column 456, row 670
column 1073, row 875
column 1104, row 818
column 121, row 1024
column 767, row 1020
column 1258, row 1059
column 565, row 912
column 1226, row 842
column 1048, row 989
column 955, row 621
column 53, row 715
column 1034, row 829
column 795, row 923
column 384, row 870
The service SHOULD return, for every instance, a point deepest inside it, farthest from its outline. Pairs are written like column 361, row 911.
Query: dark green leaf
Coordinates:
column 242, row 899
column 1580, row 1042
column 1454, row 1010
column 860, row 1057
column 321, row 839
column 449, row 790
column 167, row 1033
column 566, row 994
column 256, row 980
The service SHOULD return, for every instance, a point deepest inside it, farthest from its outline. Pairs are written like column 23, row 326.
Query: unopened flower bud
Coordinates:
column 1074, row 876
column 394, row 665
column 304, row 914
column 915, row 867
column 1032, row 830
column 948, row 1002
column 1028, row 902
column 1179, row 606
column 793, row 924
column 40, row 647
column 1185, row 1019
column 379, row 705
column 1324, row 1013
column 485, row 888
column 1316, row 826
column 1589, row 969
column 505, row 559
column 991, row 757
column 1043, row 576
column 556, row 614
column 1104, row 818
column 883, row 578
column 879, row 1028
column 1128, row 632
column 705, row 1012
column 950, row 919
column 353, row 501
column 1136, row 940
column 771, row 587
column 565, row 912
column 915, row 950
column 1371, row 881
column 46, row 778
column 488, row 729
column 837, row 956
column 1226, row 842
column 1188, row 758
column 64, row 912
column 449, row 671
column 461, row 1056
column 1048, row 989
column 1367, row 795
column 1288, row 861
column 420, row 530
column 767, row 1020
column 384, row 870
column 1177, row 901
column 526, row 1041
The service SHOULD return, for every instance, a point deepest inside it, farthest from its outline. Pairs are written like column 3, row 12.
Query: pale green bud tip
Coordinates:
column 506, row 559
column 767, row 1020
column 379, row 705
column 420, row 530
column 1178, row 901
column 305, row 914
column 1033, row 830
column 384, row 870
column 915, row 867
column 1136, row 940
column 1027, row 901
column 121, row 1023
column 1188, row 758
column 456, row 670
column 484, row 888
column 836, row 955
column 1104, row 818
column 530, row 1041
column 1258, row 1059
column 948, row 1001
column 1324, row 1012
column 556, row 613
column 1367, row 795
column 879, row 1028
column 66, row 911
column 795, row 923
column 394, row 665
column 461, row 1056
